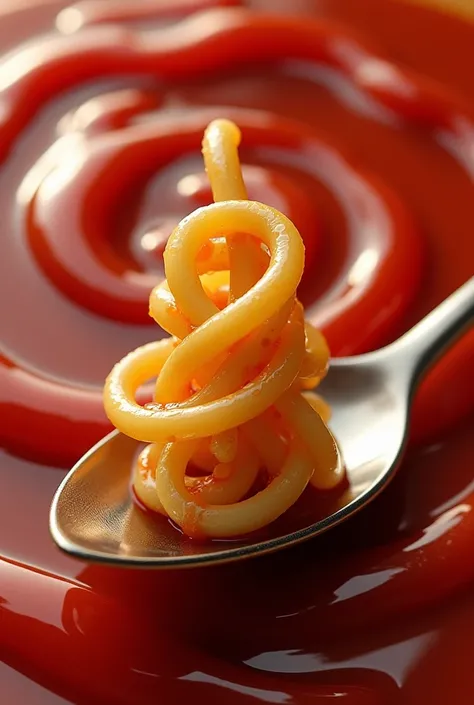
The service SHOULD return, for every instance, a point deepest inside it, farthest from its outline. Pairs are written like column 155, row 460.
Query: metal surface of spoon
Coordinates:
column 93, row 515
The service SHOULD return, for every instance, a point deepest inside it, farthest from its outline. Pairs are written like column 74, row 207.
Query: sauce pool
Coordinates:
column 357, row 122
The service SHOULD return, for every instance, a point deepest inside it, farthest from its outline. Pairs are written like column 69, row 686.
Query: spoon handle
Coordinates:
column 419, row 348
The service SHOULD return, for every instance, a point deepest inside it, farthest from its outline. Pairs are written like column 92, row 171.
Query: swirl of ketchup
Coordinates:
column 81, row 180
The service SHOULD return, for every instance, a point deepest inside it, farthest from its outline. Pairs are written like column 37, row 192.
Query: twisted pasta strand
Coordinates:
column 229, row 396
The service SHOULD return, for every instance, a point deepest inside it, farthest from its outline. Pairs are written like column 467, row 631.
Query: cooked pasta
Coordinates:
column 235, row 432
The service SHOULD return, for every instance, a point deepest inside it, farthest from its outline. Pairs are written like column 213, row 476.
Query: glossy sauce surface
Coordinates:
column 361, row 131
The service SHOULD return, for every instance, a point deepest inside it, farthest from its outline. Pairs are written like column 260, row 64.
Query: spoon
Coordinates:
column 94, row 517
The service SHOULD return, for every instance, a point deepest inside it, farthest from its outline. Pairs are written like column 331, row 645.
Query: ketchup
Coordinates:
column 358, row 123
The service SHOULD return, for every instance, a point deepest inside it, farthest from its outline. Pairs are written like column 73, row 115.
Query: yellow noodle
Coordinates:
column 228, row 383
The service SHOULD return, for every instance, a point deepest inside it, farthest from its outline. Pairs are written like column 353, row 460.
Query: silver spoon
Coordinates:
column 94, row 517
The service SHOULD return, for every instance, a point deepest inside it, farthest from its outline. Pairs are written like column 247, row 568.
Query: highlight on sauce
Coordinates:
column 359, row 131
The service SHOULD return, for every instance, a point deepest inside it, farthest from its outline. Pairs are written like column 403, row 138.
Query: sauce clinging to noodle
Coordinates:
column 231, row 379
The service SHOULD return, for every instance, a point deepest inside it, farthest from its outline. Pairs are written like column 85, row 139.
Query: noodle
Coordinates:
column 230, row 400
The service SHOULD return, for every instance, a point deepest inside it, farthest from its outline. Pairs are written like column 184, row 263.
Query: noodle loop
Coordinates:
column 228, row 401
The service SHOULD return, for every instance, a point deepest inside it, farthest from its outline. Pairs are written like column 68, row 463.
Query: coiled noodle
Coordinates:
column 235, row 435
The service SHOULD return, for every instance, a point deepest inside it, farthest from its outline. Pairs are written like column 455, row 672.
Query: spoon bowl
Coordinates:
column 94, row 516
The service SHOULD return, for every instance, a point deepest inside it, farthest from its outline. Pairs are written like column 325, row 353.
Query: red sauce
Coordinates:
column 357, row 119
